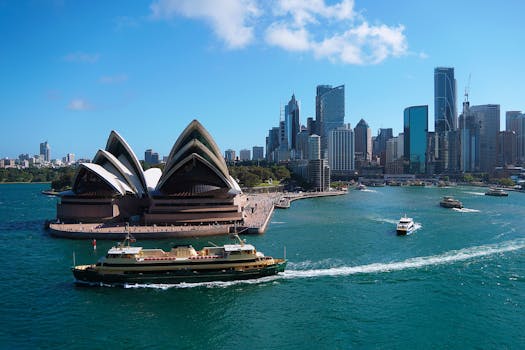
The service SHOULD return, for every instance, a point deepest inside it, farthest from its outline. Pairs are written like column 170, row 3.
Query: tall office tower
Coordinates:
column 415, row 143
column 272, row 143
column 302, row 144
column 341, row 151
column 488, row 119
column 469, row 140
column 445, row 117
column 379, row 144
column 229, row 155
column 45, row 151
column 151, row 157
column 520, row 139
column 245, row 155
column 507, row 148
column 511, row 118
column 363, row 143
column 314, row 147
column 515, row 121
column 292, row 124
column 394, row 155
column 257, row 153
column 329, row 112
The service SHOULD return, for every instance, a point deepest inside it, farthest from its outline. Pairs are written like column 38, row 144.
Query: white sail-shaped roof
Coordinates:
column 112, row 164
column 107, row 177
column 119, row 148
column 195, row 130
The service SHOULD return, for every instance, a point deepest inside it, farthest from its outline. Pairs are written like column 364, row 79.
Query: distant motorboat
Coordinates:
column 360, row 187
column 450, row 202
column 496, row 192
column 405, row 226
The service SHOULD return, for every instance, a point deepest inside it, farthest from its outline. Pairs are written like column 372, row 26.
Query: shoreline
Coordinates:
column 257, row 216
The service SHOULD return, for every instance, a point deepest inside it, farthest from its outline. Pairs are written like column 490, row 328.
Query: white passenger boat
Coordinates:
column 405, row 226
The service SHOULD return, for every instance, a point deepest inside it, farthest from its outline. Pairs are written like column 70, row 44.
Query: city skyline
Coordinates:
column 75, row 71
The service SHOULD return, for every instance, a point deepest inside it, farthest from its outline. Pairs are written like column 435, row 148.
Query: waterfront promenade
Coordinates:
column 258, row 210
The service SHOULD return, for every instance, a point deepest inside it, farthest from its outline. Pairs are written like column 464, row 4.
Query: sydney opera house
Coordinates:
column 194, row 188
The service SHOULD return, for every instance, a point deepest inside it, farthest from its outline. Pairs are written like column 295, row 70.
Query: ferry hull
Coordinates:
column 89, row 274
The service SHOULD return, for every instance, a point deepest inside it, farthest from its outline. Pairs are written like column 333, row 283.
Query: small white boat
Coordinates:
column 496, row 192
column 405, row 226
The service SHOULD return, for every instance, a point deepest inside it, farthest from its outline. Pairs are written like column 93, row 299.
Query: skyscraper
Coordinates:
column 469, row 140
column 444, row 99
column 515, row 121
column 363, row 143
column 272, row 143
column 379, row 144
column 257, row 153
column 292, row 124
column 445, row 118
column 341, row 150
column 488, row 119
column 415, row 143
column 45, row 151
column 329, row 111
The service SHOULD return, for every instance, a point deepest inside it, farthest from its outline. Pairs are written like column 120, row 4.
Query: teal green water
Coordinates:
column 456, row 282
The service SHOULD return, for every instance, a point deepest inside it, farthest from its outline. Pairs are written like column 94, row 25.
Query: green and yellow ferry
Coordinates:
column 127, row 264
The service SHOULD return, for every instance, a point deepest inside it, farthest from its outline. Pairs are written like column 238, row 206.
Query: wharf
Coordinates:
column 258, row 210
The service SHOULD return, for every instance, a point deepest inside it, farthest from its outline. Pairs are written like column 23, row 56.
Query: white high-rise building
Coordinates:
column 341, row 149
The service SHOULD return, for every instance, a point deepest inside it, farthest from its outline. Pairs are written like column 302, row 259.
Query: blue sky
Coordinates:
column 71, row 71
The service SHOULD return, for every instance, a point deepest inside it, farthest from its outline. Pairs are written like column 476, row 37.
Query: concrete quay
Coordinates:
column 258, row 210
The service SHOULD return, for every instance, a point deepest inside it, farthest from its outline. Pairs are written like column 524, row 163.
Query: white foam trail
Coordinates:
column 413, row 263
column 278, row 222
column 368, row 190
column 388, row 221
column 466, row 210
column 475, row 193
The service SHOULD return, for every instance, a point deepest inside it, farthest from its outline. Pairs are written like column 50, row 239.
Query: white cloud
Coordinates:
column 335, row 31
column 308, row 11
column 113, row 79
column 78, row 104
column 230, row 19
column 286, row 38
column 82, row 57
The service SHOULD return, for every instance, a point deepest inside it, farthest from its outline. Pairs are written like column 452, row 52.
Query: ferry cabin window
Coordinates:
column 235, row 253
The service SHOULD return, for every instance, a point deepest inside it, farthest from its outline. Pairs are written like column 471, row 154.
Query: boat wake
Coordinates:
column 368, row 190
column 450, row 257
column 413, row 263
column 388, row 221
column 278, row 222
column 466, row 210
column 475, row 193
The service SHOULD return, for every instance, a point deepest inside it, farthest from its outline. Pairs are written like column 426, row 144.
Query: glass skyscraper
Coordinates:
column 363, row 142
column 488, row 117
column 292, row 124
column 415, row 143
column 445, row 119
column 329, row 111
column 444, row 99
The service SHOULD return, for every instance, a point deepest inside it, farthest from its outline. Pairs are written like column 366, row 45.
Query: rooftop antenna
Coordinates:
column 467, row 88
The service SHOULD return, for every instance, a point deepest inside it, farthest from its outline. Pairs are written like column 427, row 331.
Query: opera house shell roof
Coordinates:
column 115, row 186
column 194, row 167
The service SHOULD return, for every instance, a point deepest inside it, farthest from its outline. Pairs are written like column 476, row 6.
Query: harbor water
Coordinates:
column 458, row 281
